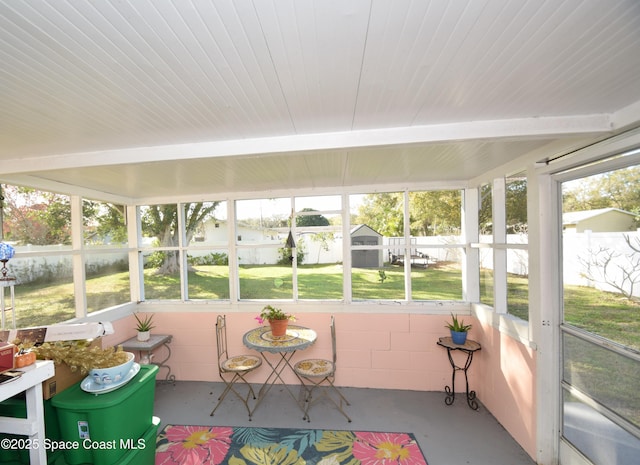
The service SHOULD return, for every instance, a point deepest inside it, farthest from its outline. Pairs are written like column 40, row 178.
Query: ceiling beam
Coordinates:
column 385, row 137
column 626, row 117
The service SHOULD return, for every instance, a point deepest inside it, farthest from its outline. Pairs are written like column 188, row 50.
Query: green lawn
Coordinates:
column 603, row 313
column 607, row 376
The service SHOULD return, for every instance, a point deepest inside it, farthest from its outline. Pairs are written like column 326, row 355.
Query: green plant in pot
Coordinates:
column 458, row 330
column 144, row 326
column 277, row 318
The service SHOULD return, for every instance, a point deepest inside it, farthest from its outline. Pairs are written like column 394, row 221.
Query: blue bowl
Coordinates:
column 112, row 375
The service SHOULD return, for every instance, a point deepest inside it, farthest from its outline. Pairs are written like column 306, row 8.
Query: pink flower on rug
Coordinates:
column 194, row 445
column 190, row 457
column 386, row 449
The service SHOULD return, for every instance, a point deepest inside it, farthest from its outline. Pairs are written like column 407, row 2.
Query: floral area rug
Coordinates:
column 196, row 445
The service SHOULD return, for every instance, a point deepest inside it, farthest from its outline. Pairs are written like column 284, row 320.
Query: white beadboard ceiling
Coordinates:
column 151, row 99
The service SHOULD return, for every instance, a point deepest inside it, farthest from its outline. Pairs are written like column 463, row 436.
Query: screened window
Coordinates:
column 106, row 263
column 486, row 277
column 503, row 247
column 485, row 228
column 601, row 323
column 601, row 254
column 402, row 246
column 435, row 236
column 378, row 246
column 106, row 280
column 45, row 291
column 37, row 219
column 383, row 255
column 207, row 238
column 38, row 225
column 265, row 265
column 161, row 254
column 318, row 237
column 517, row 238
column 103, row 225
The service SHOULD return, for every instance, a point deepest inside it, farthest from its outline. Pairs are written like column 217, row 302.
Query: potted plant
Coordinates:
column 458, row 330
column 144, row 326
column 278, row 319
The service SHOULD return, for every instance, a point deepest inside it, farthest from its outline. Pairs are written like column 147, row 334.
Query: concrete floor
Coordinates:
column 448, row 435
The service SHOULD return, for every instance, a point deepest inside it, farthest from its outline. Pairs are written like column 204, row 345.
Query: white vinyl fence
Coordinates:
column 582, row 248
column 578, row 249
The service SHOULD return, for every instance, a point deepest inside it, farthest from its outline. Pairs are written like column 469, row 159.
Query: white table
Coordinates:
column 32, row 426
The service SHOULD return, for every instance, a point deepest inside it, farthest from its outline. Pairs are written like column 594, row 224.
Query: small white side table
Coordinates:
column 33, row 426
column 10, row 283
column 155, row 341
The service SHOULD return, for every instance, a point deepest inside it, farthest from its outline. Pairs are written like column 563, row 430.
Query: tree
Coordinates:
column 104, row 222
column 516, row 205
column 383, row 213
column 430, row 213
column 311, row 220
column 434, row 213
column 44, row 218
column 614, row 189
column 35, row 217
column 485, row 215
column 161, row 222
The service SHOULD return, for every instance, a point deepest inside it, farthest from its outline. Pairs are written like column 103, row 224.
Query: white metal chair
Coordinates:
column 233, row 369
column 314, row 373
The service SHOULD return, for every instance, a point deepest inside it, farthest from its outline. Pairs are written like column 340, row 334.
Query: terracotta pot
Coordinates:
column 278, row 327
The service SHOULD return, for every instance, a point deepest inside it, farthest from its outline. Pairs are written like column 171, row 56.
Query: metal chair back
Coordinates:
column 313, row 373
column 221, row 340
column 333, row 341
column 232, row 370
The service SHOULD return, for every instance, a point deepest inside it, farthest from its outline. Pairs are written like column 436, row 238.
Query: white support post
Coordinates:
column 545, row 312
column 134, row 236
column 77, row 241
column 471, row 263
column 499, row 195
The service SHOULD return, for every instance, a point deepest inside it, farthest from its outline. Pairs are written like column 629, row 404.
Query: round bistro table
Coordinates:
column 283, row 349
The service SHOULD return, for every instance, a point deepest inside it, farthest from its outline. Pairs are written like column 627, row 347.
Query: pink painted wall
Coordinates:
column 123, row 330
column 386, row 351
column 507, row 385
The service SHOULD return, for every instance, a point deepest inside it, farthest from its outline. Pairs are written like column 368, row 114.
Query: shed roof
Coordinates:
column 363, row 228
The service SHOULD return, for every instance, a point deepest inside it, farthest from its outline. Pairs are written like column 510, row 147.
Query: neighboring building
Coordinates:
column 364, row 235
column 217, row 232
column 600, row 220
